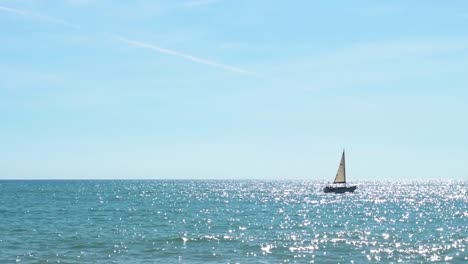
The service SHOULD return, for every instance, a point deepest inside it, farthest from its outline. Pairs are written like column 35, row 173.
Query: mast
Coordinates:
column 344, row 167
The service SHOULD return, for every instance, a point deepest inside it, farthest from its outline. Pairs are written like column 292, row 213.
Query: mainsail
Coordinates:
column 341, row 174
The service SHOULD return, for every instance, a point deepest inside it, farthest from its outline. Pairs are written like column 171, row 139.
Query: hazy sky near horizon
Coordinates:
column 233, row 89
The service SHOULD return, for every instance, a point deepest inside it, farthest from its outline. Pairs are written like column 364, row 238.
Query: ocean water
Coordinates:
column 232, row 222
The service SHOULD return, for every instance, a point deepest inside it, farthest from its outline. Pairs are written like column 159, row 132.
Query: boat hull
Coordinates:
column 339, row 189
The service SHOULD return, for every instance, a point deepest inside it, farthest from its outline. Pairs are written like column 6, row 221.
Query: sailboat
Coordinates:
column 339, row 185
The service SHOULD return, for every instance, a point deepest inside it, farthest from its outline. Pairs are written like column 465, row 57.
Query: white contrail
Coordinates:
column 38, row 16
column 134, row 42
column 185, row 56
column 58, row 21
column 12, row 10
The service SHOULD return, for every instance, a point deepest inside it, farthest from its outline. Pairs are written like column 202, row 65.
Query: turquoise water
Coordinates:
column 231, row 222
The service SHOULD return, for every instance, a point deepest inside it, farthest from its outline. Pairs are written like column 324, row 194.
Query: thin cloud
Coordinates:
column 185, row 56
column 38, row 16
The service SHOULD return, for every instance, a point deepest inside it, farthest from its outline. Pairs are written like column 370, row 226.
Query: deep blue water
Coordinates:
column 232, row 222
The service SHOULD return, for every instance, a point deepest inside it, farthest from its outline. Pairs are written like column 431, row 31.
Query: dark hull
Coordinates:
column 340, row 189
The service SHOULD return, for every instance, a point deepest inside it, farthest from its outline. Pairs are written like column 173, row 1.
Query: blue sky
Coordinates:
column 225, row 89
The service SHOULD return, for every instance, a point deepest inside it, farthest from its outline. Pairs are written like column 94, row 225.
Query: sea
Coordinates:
column 234, row 221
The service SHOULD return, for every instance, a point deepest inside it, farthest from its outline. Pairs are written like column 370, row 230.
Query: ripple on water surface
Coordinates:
column 232, row 221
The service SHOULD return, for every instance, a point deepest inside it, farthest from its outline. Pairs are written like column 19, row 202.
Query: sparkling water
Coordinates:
column 232, row 222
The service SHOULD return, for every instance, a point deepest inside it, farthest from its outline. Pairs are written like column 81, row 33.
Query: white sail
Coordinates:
column 341, row 174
